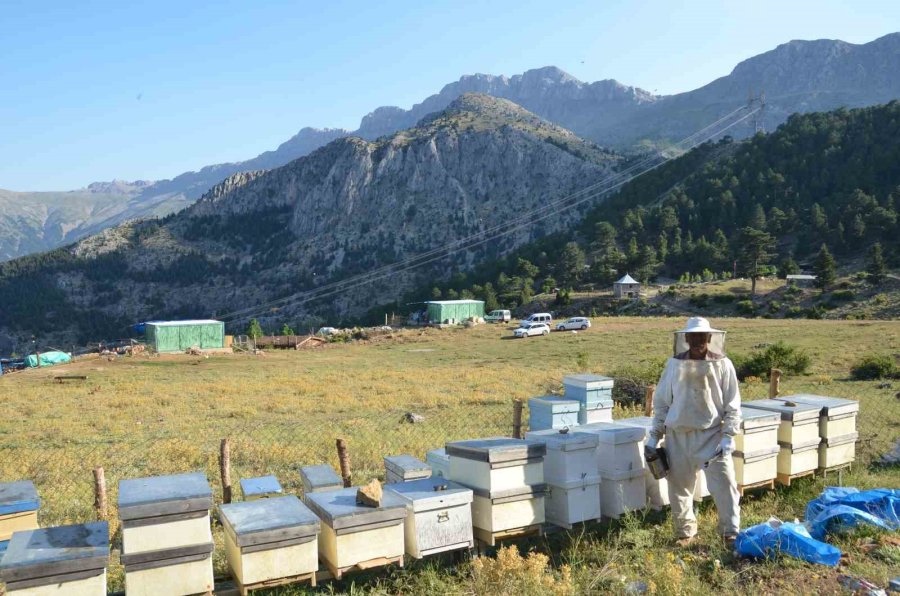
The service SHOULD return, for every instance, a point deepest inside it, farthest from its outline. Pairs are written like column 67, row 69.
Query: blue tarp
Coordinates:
column 839, row 508
column 774, row 536
column 48, row 359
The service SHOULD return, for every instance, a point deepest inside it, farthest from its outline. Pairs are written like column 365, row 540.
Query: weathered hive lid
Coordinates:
column 431, row 493
column 264, row 485
column 557, row 402
column 831, row 406
column 795, row 413
column 496, row 449
column 588, row 381
column 17, row 497
column 568, row 441
column 509, row 495
column 437, row 455
column 269, row 520
column 163, row 495
column 45, row 554
column 754, row 417
column 338, row 509
column 407, row 466
column 319, row 476
column 612, row 433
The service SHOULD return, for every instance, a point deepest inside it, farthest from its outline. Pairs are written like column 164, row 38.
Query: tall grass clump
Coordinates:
column 511, row 573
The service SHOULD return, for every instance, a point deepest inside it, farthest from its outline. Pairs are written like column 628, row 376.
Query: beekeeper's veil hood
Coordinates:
column 716, row 347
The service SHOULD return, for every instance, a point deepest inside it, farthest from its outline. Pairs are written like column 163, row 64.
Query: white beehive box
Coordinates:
column 621, row 447
column 657, row 490
column 797, row 459
column 262, row 487
column 594, row 394
column 799, row 422
column 759, row 466
column 65, row 560
column 166, row 539
column 837, row 451
column 621, row 492
column 438, row 518
column 499, row 511
column 403, row 468
column 571, row 503
column 320, row 478
column 439, row 462
column 269, row 539
column 759, row 430
column 352, row 534
column 497, row 464
column 592, row 415
column 19, row 504
column 837, row 418
column 570, row 456
column 552, row 412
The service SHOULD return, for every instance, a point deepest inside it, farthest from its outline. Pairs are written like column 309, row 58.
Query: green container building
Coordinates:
column 178, row 336
column 442, row 311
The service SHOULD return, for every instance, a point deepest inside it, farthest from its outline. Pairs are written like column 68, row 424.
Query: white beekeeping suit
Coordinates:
column 697, row 408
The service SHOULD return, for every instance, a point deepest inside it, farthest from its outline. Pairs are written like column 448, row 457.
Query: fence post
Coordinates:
column 344, row 461
column 225, row 469
column 648, row 400
column 517, row 418
column 100, row 493
column 774, row 383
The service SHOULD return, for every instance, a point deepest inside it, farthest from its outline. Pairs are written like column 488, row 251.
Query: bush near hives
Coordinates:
column 875, row 366
column 787, row 358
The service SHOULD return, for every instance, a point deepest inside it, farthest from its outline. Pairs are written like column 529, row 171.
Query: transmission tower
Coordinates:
column 757, row 102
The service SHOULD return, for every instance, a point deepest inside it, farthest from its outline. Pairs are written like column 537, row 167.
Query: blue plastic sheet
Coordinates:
column 794, row 540
column 838, row 509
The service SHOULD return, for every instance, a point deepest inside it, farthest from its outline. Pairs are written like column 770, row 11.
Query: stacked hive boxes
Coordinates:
column 657, row 490
column 594, row 395
column 403, row 468
column 620, row 463
column 439, row 462
column 756, row 447
column 798, row 434
column 438, row 515
column 552, row 412
column 166, row 540
column 260, row 488
column 837, row 427
column 319, row 479
column 570, row 471
column 507, row 477
column 19, row 504
column 65, row 560
column 270, row 539
column 353, row 535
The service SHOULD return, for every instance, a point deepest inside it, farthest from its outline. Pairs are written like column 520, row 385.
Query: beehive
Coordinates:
column 620, row 449
column 758, row 432
column 837, row 451
column 320, row 478
column 269, row 539
column 439, row 462
column 497, row 464
column 19, row 504
column 759, row 466
column 260, row 488
column 166, row 540
column 438, row 515
column 799, row 422
column 552, row 412
column 403, row 468
column 65, row 560
column 837, row 418
column 657, row 490
column 622, row 491
column 798, row 458
column 352, row 534
column 594, row 394
column 498, row 511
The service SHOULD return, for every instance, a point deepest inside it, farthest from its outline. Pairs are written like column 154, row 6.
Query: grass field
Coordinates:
column 149, row 415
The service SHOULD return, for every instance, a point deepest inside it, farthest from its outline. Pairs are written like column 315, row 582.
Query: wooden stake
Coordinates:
column 774, row 382
column 100, row 493
column 344, row 461
column 225, row 469
column 648, row 400
column 517, row 418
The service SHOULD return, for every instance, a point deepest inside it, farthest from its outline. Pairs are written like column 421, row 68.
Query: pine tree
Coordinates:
column 755, row 253
column 876, row 266
column 758, row 218
column 571, row 264
column 824, row 268
column 254, row 330
column 286, row 330
column 489, row 295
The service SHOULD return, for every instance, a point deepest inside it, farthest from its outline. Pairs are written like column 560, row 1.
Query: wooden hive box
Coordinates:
column 498, row 511
column 260, row 488
column 837, row 451
column 759, row 466
column 622, row 491
column 552, row 412
column 837, row 418
column 403, row 468
column 439, row 462
column 354, row 536
column 759, row 431
column 438, row 518
column 620, row 446
column 270, row 539
column 319, row 478
column 594, row 394
column 19, row 504
column 65, row 560
column 166, row 539
column 798, row 458
column 799, row 422
column 497, row 464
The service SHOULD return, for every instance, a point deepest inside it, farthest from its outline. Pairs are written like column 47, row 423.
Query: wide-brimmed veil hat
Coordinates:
column 699, row 325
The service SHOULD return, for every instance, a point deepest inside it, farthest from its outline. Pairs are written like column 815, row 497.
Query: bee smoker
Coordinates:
column 657, row 462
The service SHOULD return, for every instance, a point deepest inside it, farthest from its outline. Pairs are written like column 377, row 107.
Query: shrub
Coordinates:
column 779, row 355
column 874, row 366
column 631, row 381
column 724, row 298
column 700, row 300
column 510, row 573
column 746, row 307
column 842, row 295
column 794, row 312
column 792, row 290
column 774, row 306
column 815, row 312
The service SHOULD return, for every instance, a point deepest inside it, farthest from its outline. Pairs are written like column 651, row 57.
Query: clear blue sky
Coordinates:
column 99, row 90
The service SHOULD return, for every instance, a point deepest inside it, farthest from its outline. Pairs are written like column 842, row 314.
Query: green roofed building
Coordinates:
column 178, row 336
column 443, row 311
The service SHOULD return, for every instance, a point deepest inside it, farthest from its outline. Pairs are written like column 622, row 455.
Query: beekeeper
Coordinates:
column 697, row 408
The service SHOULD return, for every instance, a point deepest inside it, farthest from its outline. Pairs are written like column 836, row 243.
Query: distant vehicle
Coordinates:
column 538, row 317
column 574, row 323
column 326, row 331
column 529, row 329
column 498, row 316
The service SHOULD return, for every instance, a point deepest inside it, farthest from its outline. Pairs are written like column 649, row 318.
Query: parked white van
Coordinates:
column 498, row 316
column 538, row 317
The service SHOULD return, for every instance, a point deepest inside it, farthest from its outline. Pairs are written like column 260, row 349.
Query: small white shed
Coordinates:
column 627, row 287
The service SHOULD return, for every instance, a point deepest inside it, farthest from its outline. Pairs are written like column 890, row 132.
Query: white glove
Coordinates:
column 726, row 445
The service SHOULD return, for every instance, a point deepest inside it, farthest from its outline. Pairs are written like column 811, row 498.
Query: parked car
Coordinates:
column 538, row 317
column 574, row 323
column 498, row 316
column 529, row 329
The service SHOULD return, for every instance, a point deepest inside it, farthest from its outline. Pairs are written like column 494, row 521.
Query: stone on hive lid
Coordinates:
column 19, row 496
column 260, row 487
column 339, row 509
column 370, row 495
column 53, row 552
column 164, row 495
column 269, row 520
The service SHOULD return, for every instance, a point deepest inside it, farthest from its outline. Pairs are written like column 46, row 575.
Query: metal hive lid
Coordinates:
column 269, row 520
column 588, row 381
column 338, row 508
column 422, row 495
column 54, row 551
column 829, row 405
column 613, row 432
column 19, row 496
column 496, row 449
column 319, row 475
column 796, row 413
column 569, row 441
column 753, row 417
column 264, row 485
column 406, row 464
column 164, row 495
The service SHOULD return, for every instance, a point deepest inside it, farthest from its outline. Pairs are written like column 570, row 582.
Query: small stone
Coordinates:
column 370, row 495
column 412, row 418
